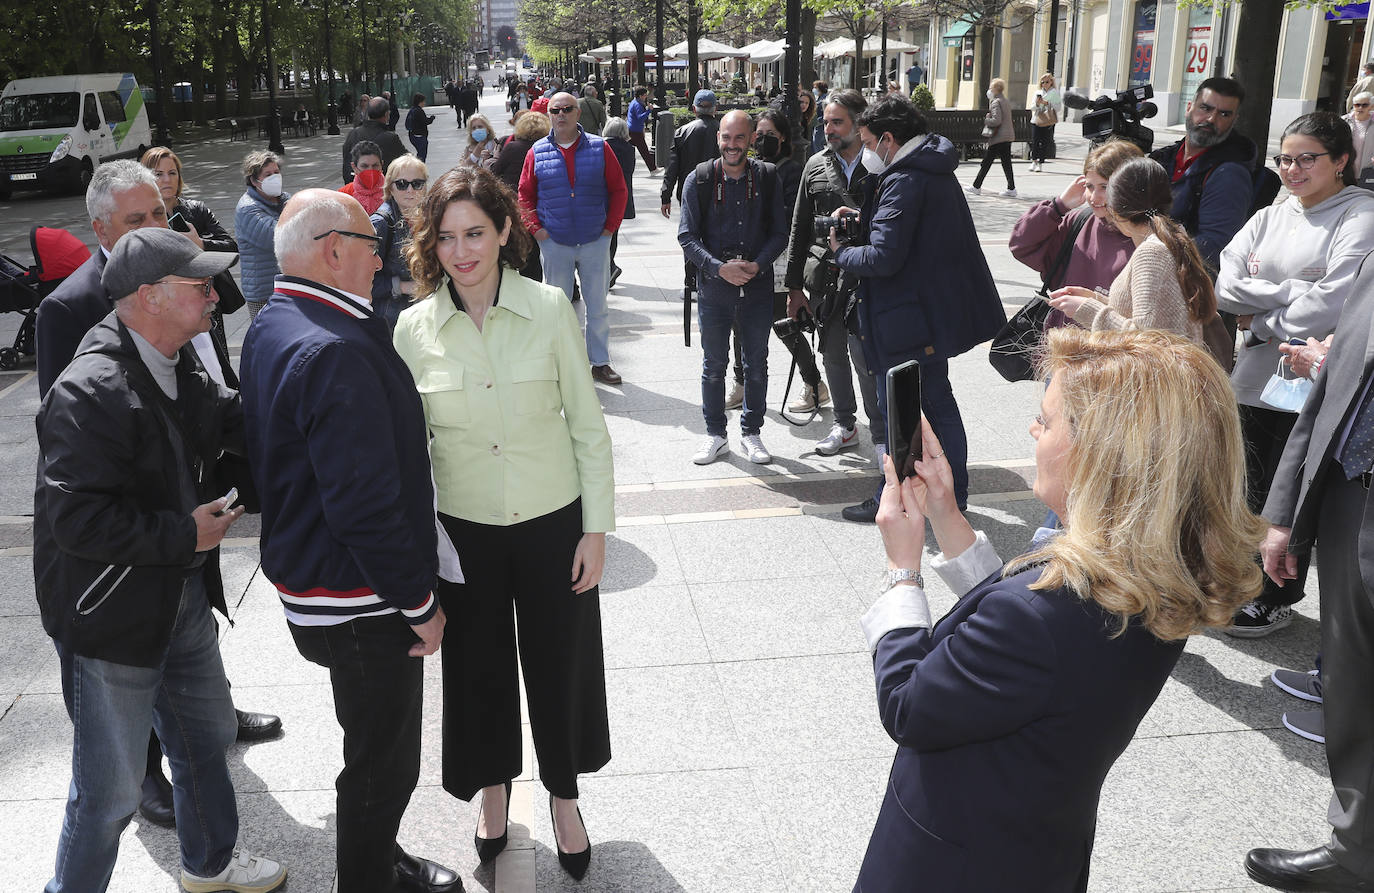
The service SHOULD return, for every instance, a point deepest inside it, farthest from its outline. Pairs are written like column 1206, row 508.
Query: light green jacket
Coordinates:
column 516, row 426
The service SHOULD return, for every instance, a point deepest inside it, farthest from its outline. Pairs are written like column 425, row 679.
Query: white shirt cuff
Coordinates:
column 901, row 607
column 970, row 567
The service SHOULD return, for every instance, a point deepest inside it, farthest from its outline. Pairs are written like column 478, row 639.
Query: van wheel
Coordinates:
column 83, row 179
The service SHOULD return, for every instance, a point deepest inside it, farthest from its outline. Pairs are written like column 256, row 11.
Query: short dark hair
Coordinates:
column 895, row 115
column 1369, row 68
column 1222, row 87
column 417, row 99
column 1333, row 133
column 775, row 116
column 641, row 90
column 852, row 100
column 364, row 147
column 378, row 108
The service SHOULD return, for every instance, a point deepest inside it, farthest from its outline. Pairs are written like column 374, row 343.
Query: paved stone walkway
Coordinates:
column 748, row 753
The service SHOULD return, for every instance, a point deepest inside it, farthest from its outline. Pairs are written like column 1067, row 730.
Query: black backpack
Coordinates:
column 706, row 171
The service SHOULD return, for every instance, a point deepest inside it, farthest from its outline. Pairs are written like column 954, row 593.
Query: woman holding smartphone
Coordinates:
column 522, row 468
column 1009, row 711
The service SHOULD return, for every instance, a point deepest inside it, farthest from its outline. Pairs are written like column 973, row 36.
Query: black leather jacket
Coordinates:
column 120, row 468
column 693, row 143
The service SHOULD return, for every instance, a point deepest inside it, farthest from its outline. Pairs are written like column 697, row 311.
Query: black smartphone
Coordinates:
column 904, row 417
column 178, row 223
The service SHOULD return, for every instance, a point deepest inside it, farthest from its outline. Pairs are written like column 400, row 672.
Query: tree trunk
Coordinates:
column 640, row 38
column 809, row 75
column 985, row 64
column 693, row 34
column 856, row 80
column 219, row 64
column 1258, row 33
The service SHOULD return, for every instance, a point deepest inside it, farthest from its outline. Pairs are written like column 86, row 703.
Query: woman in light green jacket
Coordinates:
column 523, row 477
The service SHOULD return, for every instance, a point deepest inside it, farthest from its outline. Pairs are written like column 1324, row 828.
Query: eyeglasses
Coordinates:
column 561, row 110
column 1305, row 161
column 1361, row 105
column 403, row 185
column 371, row 237
column 204, row 285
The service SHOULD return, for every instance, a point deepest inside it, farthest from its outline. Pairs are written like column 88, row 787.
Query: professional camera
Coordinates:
column 846, row 227
column 1120, row 117
column 792, row 333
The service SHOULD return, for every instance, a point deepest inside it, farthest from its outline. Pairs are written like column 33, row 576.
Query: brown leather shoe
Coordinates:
column 605, row 375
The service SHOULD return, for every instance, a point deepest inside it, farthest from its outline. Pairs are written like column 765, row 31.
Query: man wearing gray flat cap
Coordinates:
column 126, row 535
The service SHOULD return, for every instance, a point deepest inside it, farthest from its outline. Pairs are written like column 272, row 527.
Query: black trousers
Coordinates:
column 555, row 634
column 1002, row 151
column 1347, row 663
column 378, row 691
column 1041, row 137
column 1265, row 432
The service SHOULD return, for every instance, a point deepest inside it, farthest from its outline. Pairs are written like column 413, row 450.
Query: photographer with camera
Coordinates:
column 832, row 178
column 732, row 234
column 925, row 291
column 1211, row 169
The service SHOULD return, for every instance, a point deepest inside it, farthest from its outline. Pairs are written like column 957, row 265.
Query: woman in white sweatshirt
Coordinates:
column 1285, row 275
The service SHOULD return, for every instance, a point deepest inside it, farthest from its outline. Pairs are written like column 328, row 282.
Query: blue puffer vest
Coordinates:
column 573, row 214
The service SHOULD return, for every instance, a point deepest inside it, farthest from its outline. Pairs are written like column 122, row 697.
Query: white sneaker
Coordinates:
column 1009, row 193
column 245, row 873
column 735, row 399
column 838, row 439
column 975, row 190
column 711, row 448
column 753, row 448
column 805, row 400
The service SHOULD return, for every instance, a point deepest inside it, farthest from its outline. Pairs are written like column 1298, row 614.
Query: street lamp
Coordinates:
column 273, row 113
column 159, row 76
column 329, row 63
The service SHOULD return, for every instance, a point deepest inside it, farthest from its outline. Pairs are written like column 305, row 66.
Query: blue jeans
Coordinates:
column 112, row 707
column 715, row 316
column 939, row 407
column 421, row 144
column 592, row 264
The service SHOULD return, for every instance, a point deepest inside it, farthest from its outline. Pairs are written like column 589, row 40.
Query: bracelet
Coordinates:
column 1316, row 367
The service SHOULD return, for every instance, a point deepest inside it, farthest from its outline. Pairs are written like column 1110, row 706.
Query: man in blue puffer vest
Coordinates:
column 572, row 196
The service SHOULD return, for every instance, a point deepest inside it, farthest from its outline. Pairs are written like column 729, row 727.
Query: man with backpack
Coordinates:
column 1215, row 171
column 731, row 235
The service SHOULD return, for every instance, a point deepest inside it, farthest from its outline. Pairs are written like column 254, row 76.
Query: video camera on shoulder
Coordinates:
column 1120, row 118
column 846, row 227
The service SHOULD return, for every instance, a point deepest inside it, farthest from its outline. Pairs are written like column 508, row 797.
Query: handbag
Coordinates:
column 1014, row 347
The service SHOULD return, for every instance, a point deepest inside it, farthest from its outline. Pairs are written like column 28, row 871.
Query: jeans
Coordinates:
column 715, row 315
column 837, row 350
column 1002, row 151
column 421, row 144
column 377, row 700
column 939, row 407
column 112, row 707
column 592, row 264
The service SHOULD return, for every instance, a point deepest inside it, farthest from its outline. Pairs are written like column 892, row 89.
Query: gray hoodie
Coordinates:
column 1292, row 268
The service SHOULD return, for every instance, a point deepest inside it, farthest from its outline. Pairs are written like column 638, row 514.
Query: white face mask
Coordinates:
column 873, row 161
column 989, row 94
column 270, row 186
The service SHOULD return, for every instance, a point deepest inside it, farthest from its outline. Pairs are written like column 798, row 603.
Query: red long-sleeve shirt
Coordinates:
column 616, row 190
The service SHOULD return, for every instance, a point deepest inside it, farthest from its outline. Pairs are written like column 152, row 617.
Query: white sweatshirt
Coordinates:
column 1292, row 268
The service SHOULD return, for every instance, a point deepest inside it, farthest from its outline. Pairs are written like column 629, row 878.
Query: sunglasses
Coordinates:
column 371, row 237
column 1361, row 105
column 403, row 185
column 562, row 109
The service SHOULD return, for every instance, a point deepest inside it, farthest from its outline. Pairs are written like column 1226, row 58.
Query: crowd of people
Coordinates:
column 1206, row 416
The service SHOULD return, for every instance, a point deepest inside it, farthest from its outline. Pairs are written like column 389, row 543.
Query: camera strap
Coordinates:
column 787, row 392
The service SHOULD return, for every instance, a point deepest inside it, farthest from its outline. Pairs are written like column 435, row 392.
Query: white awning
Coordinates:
column 765, row 52
column 841, row 47
column 707, row 50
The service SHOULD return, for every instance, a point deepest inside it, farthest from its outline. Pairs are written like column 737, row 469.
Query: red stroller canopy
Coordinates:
column 56, row 253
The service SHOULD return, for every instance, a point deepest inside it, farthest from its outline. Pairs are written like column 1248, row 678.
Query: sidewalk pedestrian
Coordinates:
column 392, row 286
column 529, row 518
column 638, row 120
column 593, row 116
column 255, row 222
column 1000, row 133
column 481, row 144
column 1044, row 115
column 417, row 126
column 617, row 136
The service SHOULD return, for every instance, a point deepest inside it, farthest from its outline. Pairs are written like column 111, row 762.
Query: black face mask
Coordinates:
column 769, row 145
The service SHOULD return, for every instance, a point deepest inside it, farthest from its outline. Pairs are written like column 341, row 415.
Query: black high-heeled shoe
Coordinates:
column 574, row 864
column 489, row 848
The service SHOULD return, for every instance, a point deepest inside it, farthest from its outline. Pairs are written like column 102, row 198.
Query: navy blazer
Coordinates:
column 1009, row 714
column 65, row 316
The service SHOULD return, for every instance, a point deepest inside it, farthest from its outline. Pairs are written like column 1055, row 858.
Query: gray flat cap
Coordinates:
column 144, row 256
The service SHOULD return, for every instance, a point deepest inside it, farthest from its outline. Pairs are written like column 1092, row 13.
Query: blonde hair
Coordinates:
column 393, row 173
column 532, row 126
column 1157, row 530
column 998, row 85
column 473, row 122
column 1106, row 158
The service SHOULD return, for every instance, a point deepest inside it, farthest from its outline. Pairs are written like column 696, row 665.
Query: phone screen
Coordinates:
column 904, row 417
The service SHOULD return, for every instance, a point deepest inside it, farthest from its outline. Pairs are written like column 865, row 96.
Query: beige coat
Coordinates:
column 999, row 116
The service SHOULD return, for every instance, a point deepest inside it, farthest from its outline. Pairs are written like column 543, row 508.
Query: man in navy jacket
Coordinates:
column 337, row 442
column 925, row 291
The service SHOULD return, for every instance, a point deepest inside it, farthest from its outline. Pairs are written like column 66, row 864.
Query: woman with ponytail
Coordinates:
column 1165, row 285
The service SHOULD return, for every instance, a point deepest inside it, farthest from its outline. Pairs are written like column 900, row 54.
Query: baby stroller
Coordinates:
column 56, row 255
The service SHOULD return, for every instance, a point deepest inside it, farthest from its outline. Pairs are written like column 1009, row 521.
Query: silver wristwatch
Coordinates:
column 894, row 576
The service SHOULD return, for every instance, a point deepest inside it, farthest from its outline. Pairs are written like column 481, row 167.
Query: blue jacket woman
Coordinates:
column 255, row 226
column 1010, row 711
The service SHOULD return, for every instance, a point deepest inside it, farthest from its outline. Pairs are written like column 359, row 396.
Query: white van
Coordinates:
column 55, row 131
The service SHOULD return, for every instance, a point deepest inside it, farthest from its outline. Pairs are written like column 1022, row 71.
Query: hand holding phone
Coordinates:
column 904, row 417
column 229, row 499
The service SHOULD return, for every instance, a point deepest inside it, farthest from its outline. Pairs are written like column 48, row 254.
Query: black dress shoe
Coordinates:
column 1302, row 870
column 489, row 848
column 257, row 726
column 605, row 375
column 156, row 805
column 865, row 512
column 424, row 876
column 574, row 864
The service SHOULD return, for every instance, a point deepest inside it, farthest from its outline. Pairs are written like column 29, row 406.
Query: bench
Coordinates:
column 964, row 128
column 238, row 128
